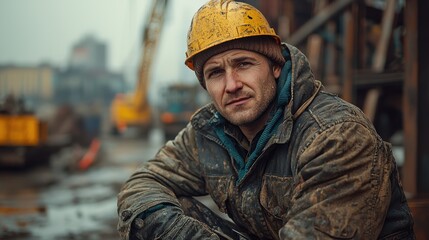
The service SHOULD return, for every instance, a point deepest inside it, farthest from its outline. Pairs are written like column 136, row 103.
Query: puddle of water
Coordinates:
column 65, row 196
column 75, row 220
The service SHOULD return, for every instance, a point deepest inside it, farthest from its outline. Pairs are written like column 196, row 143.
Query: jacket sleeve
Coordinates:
column 342, row 185
column 174, row 171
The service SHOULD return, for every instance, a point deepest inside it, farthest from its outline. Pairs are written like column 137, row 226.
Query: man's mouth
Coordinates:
column 237, row 101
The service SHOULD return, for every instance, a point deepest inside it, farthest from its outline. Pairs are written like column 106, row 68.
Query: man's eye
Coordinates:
column 214, row 73
column 244, row 64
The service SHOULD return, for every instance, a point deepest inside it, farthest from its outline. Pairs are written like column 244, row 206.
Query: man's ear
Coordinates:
column 276, row 71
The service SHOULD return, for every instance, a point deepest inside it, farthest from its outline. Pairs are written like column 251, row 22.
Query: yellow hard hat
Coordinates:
column 220, row 21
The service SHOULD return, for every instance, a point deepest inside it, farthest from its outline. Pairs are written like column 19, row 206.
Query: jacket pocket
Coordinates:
column 218, row 189
column 275, row 195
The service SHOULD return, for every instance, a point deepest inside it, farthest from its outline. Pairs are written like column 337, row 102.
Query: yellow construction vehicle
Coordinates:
column 133, row 109
column 19, row 135
column 20, row 132
column 27, row 140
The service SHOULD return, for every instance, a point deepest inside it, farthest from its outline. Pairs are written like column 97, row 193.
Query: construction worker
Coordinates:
column 283, row 158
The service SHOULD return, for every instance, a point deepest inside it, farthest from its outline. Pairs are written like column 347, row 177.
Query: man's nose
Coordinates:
column 233, row 82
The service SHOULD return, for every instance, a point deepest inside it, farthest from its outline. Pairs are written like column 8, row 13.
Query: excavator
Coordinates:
column 133, row 109
column 21, row 132
column 28, row 140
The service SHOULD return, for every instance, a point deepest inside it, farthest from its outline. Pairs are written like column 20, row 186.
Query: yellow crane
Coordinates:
column 133, row 109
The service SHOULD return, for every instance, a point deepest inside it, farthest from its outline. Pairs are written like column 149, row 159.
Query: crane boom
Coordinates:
column 151, row 35
column 133, row 109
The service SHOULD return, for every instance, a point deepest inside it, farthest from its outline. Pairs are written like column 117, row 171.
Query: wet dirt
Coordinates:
column 48, row 202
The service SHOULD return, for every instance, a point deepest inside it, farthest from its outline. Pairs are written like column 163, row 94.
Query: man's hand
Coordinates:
column 170, row 223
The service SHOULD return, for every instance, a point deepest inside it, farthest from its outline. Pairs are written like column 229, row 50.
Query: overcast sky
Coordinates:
column 35, row 31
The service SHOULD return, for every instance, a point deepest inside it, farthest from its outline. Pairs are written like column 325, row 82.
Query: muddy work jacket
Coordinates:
column 324, row 174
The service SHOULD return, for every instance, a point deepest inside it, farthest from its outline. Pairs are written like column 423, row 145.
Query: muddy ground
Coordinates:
column 57, row 200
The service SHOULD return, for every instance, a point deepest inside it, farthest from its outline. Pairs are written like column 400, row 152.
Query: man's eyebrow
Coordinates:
column 215, row 66
column 211, row 68
column 243, row 58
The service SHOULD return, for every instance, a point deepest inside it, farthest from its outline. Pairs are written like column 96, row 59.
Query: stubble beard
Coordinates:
column 248, row 115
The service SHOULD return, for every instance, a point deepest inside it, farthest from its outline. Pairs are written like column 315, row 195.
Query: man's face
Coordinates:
column 242, row 85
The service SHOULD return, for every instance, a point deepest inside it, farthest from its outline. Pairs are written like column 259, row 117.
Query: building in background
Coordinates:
column 88, row 54
column 86, row 80
column 34, row 84
column 85, row 84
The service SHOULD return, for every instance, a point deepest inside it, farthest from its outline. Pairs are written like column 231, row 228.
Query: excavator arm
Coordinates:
column 151, row 35
column 133, row 109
